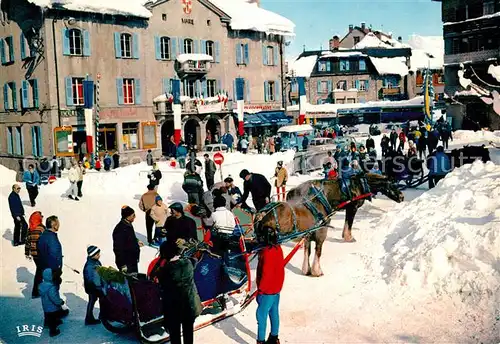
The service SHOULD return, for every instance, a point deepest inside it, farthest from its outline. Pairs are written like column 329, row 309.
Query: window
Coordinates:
column 322, row 66
column 7, row 50
column 188, row 46
column 270, row 92
column 210, row 48
column 75, row 42
column 323, row 87
column 77, row 90
column 36, row 141
column 344, row 65
column 107, row 137
column 456, row 46
column 128, row 91
column 15, row 140
column 209, row 22
column 190, row 88
column 165, row 48
column 10, row 96
column 129, row 134
column 342, row 85
column 488, row 7
column 362, row 65
column 242, row 54
column 148, row 135
column 126, row 45
column 270, row 56
column 29, row 94
column 211, row 88
column 164, row 16
column 356, row 40
column 363, row 85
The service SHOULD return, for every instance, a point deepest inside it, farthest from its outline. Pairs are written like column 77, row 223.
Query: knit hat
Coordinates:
column 177, row 207
column 158, row 198
column 92, row 250
column 228, row 180
column 127, row 211
column 244, row 173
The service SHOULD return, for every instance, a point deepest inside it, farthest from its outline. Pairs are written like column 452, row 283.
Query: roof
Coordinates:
column 327, row 54
column 303, row 66
column 427, row 52
column 390, row 65
column 194, row 57
column 295, row 128
column 114, row 7
column 372, row 41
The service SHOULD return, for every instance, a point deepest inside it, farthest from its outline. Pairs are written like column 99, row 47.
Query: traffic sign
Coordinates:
column 218, row 158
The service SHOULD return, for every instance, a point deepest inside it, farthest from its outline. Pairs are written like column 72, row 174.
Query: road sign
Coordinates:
column 218, row 158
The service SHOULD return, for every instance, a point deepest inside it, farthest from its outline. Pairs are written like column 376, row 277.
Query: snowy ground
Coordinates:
column 426, row 270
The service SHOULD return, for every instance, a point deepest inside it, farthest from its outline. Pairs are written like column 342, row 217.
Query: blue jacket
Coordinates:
column 235, row 194
column 182, row 152
column 439, row 164
column 228, row 140
column 31, row 180
column 50, row 250
column 49, row 292
column 91, row 279
column 347, row 173
column 15, row 204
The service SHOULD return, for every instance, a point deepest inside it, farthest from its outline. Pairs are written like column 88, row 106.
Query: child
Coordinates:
column 92, row 282
column 51, row 303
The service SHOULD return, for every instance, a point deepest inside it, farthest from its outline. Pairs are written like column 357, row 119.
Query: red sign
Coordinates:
column 187, row 6
column 218, row 158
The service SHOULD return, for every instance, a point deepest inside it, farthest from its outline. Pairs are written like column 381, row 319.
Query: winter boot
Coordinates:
column 272, row 340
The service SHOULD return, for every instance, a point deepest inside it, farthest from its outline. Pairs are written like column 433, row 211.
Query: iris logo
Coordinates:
column 29, row 330
column 204, row 270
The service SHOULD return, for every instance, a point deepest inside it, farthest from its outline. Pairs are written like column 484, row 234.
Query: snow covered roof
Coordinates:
column 249, row 16
column 327, row 54
column 295, row 128
column 303, row 66
column 194, row 57
column 488, row 16
column 390, row 65
column 370, row 41
column 114, row 7
column 427, row 52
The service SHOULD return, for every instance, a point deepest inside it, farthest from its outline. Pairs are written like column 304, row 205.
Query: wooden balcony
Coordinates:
column 391, row 91
column 472, row 57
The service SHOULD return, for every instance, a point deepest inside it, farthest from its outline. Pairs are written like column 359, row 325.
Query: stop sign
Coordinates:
column 218, row 158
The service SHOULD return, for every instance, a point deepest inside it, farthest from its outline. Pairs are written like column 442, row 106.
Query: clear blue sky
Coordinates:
column 317, row 21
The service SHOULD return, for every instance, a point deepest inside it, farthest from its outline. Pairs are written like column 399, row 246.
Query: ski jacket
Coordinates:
column 182, row 152
column 281, row 175
column 402, row 137
column 125, row 244
column 92, row 282
column 50, row 250
column 192, row 183
column 223, row 218
column 258, row 186
column 370, row 143
column 31, row 179
column 35, row 231
column 49, row 293
column 159, row 214
column 148, row 200
column 270, row 270
column 180, row 228
column 439, row 164
column 15, row 204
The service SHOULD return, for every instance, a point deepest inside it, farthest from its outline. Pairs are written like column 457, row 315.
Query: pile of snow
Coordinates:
column 114, row 7
column 390, row 65
column 194, row 57
column 303, row 66
column 447, row 241
column 326, row 54
column 7, row 177
column 476, row 136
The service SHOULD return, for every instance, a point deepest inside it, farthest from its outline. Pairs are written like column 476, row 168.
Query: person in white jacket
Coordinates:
column 73, row 177
column 223, row 218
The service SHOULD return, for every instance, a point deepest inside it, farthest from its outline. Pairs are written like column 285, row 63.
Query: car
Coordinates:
column 214, row 148
column 345, row 141
column 322, row 143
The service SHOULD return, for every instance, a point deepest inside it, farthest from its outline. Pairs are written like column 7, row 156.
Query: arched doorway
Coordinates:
column 167, row 130
column 213, row 127
column 192, row 132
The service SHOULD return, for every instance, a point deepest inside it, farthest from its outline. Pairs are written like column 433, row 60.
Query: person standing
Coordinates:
column 149, row 158
column 439, row 165
column 92, row 282
column 384, row 145
column 145, row 204
column 81, row 171
column 159, row 213
column 370, row 143
column 73, row 177
column 272, row 145
column 244, row 145
column 155, row 176
column 270, row 279
column 52, row 302
column 181, row 154
column 393, row 139
column 402, row 141
column 233, row 191
column 126, row 246
column 281, row 175
column 210, row 170
column 181, row 302
column 258, row 186
column 17, row 212
column 193, row 186
column 31, row 249
column 179, row 226
column 305, row 143
column 422, row 146
column 32, row 180
column 50, row 248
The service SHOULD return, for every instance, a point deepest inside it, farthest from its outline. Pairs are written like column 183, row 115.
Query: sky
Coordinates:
column 318, row 21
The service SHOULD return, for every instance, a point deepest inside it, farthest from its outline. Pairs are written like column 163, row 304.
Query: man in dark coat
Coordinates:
column 179, row 226
column 384, row 144
column 258, row 186
column 370, row 143
column 126, row 246
column 17, row 212
column 193, row 186
column 210, row 170
column 393, row 138
column 50, row 249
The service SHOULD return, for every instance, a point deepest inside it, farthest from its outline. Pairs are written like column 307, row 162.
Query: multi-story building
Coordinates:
column 356, row 34
column 472, row 43
column 131, row 52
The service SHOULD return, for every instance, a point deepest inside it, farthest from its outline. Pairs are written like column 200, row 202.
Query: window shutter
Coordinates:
column 328, row 66
column 367, row 85
column 264, row 54
column 34, row 141
column 40, row 141
column 18, row 138
column 24, row 93
column 204, row 88
column 36, row 102
column 266, row 90
column 137, row 90
column 342, row 65
column 347, row 65
column 246, row 54
column 247, row 90
column 203, row 47
column 69, row 91
column 166, row 85
column 181, row 45
column 329, row 86
column 119, row 91
column 118, row 47
column 157, row 48
column 6, row 96
column 9, row 140
column 239, row 57
column 277, row 90
column 196, row 46
column 2, row 51
column 362, row 65
column 14, row 96
column 219, row 85
column 318, row 89
column 173, row 47
column 22, row 42
column 65, row 33
column 276, row 56
column 356, row 84
column 198, row 88
column 86, row 43
column 217, row 52
column 234, row 91
column 135, row 46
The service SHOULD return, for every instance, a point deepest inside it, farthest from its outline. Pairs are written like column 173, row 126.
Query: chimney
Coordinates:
column 400, row 40
column 363, row 26
column 351, row 27
column 334, row 43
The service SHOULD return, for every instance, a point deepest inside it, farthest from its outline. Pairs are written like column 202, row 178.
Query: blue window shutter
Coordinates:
column 217, row 52
column 384, row 82
column 347, row 65
column 40, row 141
column 14, row 95
column 24, row 93
column 69, row 90
column 22, row 42
column 367, row 84
column 264, row 54
column 119, row 91
column 246, row 54
column 135, row 46
column 277, row 89
column 203, row 46
column 181, row 45
column 173, row 47
column 356, row 83
column 65, row 33
column 219, row 85
column 328, row 66
column 118, row 47
column 86, row 43
column 276, row 56
column 9, row 140
column 34, row 141
column 6, row 96
column 362, row 65
column 196, row 46
column 2, row 51
column 18, row 141
column 157, row 48
column 204, row 88
column 329, row 85
column 239, row 56
column 319, row 87
column 247, row 90
column 166, row 85
column 36, row 102
column 11, row 50
column 137, row 90
column 266, row 90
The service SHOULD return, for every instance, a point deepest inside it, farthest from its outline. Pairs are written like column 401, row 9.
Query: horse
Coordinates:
column 377, row 183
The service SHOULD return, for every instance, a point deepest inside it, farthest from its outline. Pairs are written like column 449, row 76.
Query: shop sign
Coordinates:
column 209, row 108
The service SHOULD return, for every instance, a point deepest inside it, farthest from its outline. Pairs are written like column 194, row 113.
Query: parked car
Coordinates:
column 293, row 135
column 322, row 143
column 214, row 148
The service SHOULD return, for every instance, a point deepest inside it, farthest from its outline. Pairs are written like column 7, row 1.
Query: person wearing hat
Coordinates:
column 36, row 229
column 17, row 211
column 126, row 246
column 92, row 282
column 258, row 186
column 281, row 175
column 159, row 213
column 178, row 225
column 233, row 191
column 146, row 203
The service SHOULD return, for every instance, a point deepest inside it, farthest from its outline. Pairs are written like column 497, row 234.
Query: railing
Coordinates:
column 391, row 91
column 195, row 67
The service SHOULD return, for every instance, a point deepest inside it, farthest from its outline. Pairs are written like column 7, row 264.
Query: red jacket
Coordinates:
column 332, row 174
column 402, row 137
column 270, row 270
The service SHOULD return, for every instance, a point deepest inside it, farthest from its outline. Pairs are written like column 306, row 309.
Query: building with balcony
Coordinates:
column 472, row 44
column 56, row 58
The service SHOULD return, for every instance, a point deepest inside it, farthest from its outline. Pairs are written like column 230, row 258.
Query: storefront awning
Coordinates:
column 266, row 118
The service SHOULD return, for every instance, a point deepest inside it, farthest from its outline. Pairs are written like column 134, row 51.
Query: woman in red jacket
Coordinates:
column 270, row 278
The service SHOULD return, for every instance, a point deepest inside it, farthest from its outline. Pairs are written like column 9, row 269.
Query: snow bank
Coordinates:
column 447, row 241
column 476, row 136
column 7, row 177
